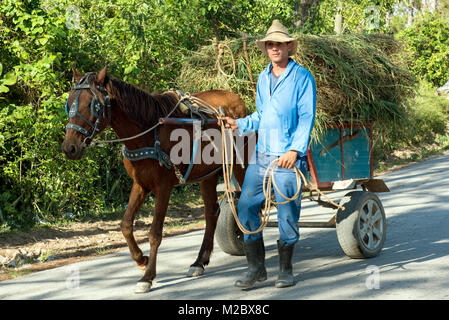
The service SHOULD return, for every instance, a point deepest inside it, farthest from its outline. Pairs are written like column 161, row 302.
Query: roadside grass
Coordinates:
column 103, row 251
column 424, row 133
column 416, row 154
column 15, row 273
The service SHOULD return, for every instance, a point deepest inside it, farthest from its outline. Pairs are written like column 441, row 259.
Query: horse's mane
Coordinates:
column 140, row 105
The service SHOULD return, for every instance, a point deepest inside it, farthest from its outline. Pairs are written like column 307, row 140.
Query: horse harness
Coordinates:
column 155, row 153
column 98, row 108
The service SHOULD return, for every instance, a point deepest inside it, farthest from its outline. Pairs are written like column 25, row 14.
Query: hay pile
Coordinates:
column 358, row 77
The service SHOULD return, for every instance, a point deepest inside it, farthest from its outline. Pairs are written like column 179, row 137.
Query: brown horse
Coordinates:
column 99, row 101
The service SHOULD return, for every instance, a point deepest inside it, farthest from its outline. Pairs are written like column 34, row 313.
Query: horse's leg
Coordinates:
column 162, row 196
column 209, row 195
column 136, row 199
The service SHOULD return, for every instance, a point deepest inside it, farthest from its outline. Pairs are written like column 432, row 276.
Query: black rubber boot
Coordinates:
column 255, row 255
column 285, row 277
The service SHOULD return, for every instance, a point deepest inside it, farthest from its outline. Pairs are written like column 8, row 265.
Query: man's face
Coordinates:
column 278, row 51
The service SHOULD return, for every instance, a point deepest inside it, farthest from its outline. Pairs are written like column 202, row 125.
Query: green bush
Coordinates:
column 428, row 43
column 142, row 42
column 425, row 122
column 37, row 179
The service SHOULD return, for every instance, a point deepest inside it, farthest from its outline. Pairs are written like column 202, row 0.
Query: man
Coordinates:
column 286, row 104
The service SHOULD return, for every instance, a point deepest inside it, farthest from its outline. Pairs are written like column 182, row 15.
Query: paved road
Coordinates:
column 413, row 264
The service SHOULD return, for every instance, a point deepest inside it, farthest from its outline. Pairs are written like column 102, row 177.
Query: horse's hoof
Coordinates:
column 143, row 266
column 195, row 271
column 142, row 287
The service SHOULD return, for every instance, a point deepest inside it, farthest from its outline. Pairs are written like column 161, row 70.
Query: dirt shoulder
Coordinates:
column 50, row 246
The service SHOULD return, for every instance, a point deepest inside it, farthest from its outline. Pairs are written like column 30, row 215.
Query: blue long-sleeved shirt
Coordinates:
column 284, row 119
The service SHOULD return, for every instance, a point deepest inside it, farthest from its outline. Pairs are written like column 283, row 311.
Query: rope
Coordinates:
column 268, row 181
column 221, row 47
column 146, row 131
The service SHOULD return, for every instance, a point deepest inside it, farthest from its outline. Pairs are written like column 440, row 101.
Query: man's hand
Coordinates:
column 288, row 159
column 229, row 123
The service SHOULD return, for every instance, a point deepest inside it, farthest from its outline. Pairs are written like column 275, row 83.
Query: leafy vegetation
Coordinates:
column 428, row 42
column 145, row 43
column 423, row 130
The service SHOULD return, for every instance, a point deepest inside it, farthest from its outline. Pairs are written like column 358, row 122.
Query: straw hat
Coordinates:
column 277, row 33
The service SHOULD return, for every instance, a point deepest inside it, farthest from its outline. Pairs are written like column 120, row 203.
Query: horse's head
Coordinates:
column 89, row 109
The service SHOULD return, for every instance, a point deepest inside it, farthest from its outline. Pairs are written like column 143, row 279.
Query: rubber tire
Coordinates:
column 348, row 225
column 227, row 234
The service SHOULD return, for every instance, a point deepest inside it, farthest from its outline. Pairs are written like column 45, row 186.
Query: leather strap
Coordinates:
column 154, row 153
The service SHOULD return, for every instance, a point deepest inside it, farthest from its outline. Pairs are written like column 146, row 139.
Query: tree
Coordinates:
column 339, row 19
column 433, row 5
column 306, row 12
column 411, row 12
column 356, row 16
column 428, row 43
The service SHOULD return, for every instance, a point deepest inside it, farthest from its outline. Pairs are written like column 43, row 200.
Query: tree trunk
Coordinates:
column 433, row 6
column 338, row 28
column 411, row 13
column 424, row 6
column 305, row 11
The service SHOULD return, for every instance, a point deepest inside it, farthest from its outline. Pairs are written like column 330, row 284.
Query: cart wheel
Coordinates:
column 228, row 235
column 361, row 227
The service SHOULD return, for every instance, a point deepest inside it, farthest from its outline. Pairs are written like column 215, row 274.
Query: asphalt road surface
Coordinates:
column 412, row 265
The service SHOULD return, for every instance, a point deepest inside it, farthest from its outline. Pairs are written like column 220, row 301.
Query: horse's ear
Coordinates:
column 77, row 75
column 102, row 75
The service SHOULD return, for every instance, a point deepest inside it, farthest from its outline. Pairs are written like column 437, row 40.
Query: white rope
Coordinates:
column 144, row 132
column 268, row 181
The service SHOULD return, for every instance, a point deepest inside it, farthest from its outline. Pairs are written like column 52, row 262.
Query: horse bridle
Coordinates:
column 97, row 108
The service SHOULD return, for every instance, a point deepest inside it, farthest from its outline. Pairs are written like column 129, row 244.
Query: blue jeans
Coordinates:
column 252, row 198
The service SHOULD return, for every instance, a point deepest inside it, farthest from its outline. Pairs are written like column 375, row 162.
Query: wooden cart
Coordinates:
column 341, row 160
